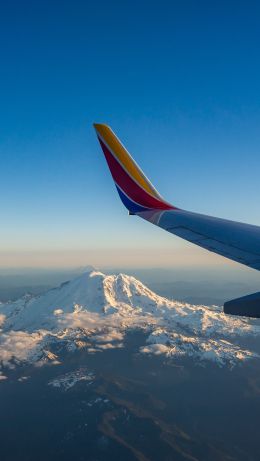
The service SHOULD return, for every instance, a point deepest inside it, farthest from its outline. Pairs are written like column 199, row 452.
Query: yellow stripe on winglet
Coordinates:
column 125, row 159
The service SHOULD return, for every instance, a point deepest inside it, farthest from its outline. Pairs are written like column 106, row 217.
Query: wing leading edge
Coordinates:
column 234, row 240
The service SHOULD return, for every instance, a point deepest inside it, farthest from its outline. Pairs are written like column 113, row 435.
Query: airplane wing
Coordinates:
column 237, row 241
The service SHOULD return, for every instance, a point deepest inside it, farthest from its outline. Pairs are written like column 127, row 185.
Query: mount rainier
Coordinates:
column 95, row 311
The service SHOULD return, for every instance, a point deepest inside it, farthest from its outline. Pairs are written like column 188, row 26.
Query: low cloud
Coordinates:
column 20, row 346
column 2, row 319
column 155, row 349
column 2, row 376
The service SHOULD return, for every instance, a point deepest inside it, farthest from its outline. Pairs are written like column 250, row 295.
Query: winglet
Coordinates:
column 135, row 190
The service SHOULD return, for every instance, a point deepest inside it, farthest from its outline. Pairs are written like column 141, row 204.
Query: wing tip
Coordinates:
column 135, row 190
column 100, row 126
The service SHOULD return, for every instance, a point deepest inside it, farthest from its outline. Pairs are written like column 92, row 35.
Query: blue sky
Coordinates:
column 179, row 82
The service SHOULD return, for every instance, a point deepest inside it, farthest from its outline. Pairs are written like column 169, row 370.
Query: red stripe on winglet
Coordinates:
column 129, row 186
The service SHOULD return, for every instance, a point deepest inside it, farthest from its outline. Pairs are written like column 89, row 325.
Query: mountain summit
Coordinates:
column 103, row 308
column 92, row 292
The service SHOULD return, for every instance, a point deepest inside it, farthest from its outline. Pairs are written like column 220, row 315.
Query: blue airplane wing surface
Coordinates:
column 237, row 241
column 234, row 240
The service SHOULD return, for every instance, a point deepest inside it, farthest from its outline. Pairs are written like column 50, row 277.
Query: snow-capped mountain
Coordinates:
column 95, row 311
